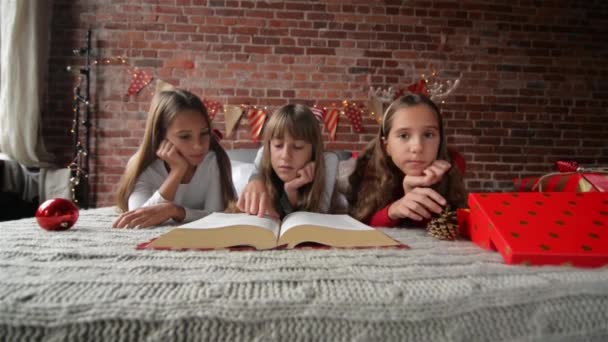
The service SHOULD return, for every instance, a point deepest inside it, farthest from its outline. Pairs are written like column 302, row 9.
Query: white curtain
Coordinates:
column 24, row 45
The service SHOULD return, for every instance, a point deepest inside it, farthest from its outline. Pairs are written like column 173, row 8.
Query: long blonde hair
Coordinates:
column 379, row 180
column 165, row 106
column 300, row 123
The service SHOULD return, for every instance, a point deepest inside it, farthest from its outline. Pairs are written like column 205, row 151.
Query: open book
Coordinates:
column 219, row 230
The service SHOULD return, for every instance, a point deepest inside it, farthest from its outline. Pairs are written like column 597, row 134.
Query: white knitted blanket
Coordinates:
column 90, row 283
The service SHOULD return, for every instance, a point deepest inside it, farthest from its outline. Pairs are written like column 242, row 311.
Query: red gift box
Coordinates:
column 566, row 181
column 541, row 228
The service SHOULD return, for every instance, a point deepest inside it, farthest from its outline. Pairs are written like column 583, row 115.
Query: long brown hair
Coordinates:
column 300, row 123
column 377, row 181
column 165, row 106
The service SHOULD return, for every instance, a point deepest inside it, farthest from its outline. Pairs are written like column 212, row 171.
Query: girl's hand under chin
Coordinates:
column 431, row 175
column 168, row 153
column 303, row 177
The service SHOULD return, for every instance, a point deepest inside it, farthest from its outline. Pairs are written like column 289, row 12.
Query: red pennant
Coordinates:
column 319, row 113
column 399, row 93
column 256, row 118
column 419, row 88
column 566, row 165
column 331, row 122
column 218, row 134
column 354, row 115
column 212, row 107
column 140, row 79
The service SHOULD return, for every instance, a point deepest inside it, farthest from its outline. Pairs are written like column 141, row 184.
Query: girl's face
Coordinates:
column 287, row 156
column 189, row 133
column 413, row 141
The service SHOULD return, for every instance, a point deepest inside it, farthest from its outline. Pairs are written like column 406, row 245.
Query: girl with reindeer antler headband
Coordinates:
column 405, row 173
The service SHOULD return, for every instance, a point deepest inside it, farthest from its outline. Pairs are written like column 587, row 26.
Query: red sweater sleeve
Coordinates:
column 381, row 219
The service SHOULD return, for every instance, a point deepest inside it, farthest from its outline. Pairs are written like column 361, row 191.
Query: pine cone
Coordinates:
column 444, row 226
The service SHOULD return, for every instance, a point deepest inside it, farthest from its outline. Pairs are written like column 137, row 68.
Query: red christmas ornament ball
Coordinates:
column 57, row 214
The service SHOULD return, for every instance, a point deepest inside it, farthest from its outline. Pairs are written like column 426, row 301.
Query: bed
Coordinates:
column 90, row 283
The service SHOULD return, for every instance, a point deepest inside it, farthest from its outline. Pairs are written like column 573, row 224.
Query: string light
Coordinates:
column 79, row 165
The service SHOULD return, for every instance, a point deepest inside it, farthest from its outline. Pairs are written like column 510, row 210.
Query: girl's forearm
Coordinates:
column 179, row 213
column 292, row 196
column 169, row 187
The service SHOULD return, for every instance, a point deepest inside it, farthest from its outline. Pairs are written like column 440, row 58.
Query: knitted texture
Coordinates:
column 89, row 284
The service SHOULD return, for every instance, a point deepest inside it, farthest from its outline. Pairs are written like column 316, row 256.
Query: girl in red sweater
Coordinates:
column 405, row 172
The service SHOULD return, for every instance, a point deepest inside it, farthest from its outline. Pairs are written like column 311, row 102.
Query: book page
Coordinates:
column 222, row 220
column 330, row 230
column 343, row 222
column 218, row 231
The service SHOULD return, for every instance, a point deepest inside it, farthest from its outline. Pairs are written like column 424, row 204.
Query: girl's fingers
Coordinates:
column 414, row 181
column 162, row 148
column 246, row 202
column 266, row 208
column 310, row 169
column 253, row 204
column 173, row 152
column 262, row 205
column 403, row 211
column 142, row 217
column 306, row 177
column 430, row 174
column 409, row 213
column 305, row 174
column 440, row 167
column 149, row 222
column 272, row 213
column 434, row 195
column 430, row 199
column 162, row 144
column 443, row 164
column 240, row 203
column 417, row 208
column 298, row 181
column 136, row 222
column 116, row 223
column 123, row 220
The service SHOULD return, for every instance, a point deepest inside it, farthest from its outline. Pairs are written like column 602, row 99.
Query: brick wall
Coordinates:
column 533, row 74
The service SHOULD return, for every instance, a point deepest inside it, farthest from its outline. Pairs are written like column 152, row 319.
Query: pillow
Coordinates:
column 240, row 174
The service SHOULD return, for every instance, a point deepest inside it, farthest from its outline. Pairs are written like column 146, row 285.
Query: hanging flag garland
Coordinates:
column 329, row 116
column 378, row 99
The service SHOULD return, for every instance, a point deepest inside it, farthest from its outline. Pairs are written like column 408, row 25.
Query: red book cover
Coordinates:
column 549, row 228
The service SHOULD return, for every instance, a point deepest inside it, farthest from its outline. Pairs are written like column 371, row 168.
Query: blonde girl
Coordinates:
column 294, row 172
